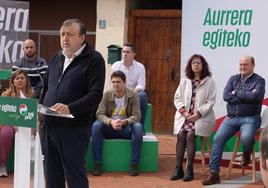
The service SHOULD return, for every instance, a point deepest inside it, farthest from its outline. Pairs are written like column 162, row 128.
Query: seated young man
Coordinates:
column 118, row 116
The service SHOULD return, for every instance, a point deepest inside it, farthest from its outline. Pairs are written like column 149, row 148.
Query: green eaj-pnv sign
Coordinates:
column 18, row 112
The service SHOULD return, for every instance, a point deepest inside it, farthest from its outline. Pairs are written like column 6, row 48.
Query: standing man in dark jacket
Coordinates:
column 244, row 94
column 74, row 85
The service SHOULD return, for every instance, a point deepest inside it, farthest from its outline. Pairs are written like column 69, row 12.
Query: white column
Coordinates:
column 22, row 158
column 39, row 181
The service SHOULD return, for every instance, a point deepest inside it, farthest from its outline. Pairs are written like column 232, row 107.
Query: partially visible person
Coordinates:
column 118, row 116
column 135, row 76
column 35, row 66
column 264, row 155
column 19, row 82
column 73, row 85
column 244, row 94
column 194, row 100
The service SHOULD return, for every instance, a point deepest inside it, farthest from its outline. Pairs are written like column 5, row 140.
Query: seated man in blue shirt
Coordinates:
column 118, row 116
column 244, row 94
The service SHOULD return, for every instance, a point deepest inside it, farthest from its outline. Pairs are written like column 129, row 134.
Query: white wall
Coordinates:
column 114, row 13
column 223, row 59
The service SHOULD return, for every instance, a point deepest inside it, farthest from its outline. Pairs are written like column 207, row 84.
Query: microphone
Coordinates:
column 41, row 78
column 38, row 70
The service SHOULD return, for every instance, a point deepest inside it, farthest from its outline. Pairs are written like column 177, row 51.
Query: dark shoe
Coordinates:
column 189, row 174
column 97, row 169
column 245, row 159
column 213, row 178
column 177, row 174
column 134, row 170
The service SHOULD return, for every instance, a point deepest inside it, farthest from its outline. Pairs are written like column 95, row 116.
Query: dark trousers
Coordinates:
column 143, row 107
column 64, row 150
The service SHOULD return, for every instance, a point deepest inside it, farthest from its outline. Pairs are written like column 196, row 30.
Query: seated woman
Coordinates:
column 194, row 100
column 19, row 84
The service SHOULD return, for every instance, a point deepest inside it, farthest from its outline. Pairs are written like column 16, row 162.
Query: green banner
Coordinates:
column 18, row 112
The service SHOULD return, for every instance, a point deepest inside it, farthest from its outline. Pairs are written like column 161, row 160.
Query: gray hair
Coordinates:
column 72, row 21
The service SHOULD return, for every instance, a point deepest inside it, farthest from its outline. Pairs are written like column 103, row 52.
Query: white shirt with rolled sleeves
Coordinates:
column 135, row 74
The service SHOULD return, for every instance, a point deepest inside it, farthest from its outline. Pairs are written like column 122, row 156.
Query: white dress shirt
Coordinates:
column 135, row 74
column 68, row 61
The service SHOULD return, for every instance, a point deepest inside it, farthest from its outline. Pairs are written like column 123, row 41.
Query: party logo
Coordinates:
column 23, row 109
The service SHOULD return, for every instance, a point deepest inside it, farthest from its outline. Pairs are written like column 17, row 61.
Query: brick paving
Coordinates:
column 160, row 179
